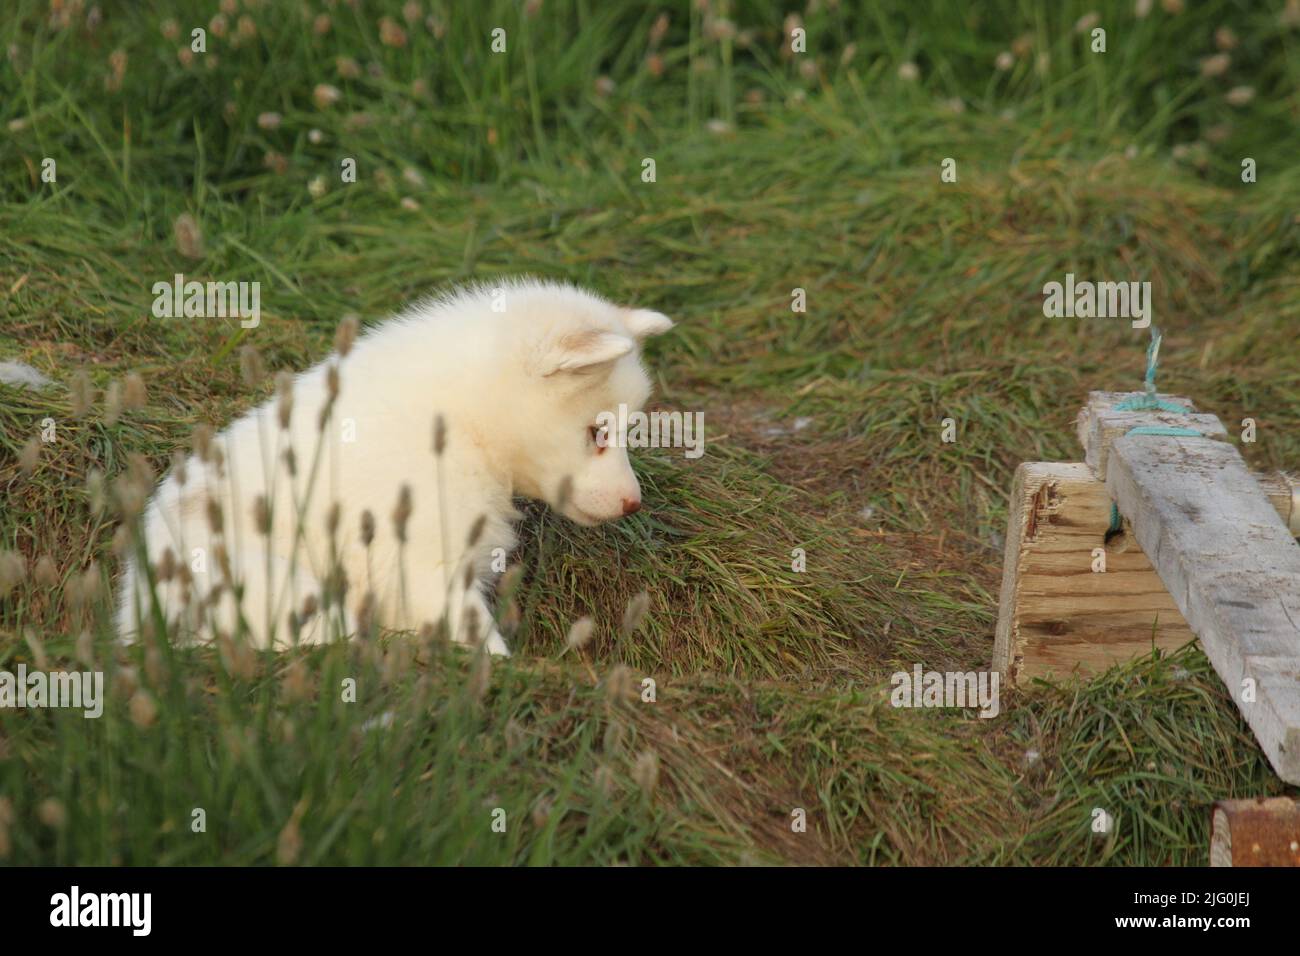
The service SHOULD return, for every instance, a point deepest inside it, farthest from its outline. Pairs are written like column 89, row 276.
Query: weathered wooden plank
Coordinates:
column 1101, row 422
column 1057, row 616
column 1261, row 832
column 1225, row 556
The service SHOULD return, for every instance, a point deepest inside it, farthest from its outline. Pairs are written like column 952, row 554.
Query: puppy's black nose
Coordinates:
column 631, row 506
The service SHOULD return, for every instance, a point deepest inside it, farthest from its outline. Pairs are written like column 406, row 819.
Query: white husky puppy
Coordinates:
column 507, row 382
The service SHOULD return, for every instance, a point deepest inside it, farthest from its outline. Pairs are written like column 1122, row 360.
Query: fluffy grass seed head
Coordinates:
column 402, row 512
column 580, row 633
column 251, row 367
column 188, row 235
column 635, row 614
column 346, row 334
column 284, row 398
column 82, row 394
column 439, row 435
column 13, row 571
column 262, row 515
column 30, row 456
column 646, row 772
column 46, row 573
column 134, row 394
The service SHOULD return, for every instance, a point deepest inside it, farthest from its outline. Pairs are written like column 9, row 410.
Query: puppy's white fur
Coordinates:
column 518, row 388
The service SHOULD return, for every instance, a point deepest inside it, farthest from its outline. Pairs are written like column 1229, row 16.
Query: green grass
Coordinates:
column 924, row 302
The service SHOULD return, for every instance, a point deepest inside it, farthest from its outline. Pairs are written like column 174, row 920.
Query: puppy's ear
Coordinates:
column 585, row 351
column 643, row 323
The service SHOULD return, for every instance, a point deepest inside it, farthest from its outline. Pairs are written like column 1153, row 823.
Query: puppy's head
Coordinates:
column 585, row 366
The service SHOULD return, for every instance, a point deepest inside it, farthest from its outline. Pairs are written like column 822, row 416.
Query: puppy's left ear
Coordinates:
column 643, row 323
column 588, row 351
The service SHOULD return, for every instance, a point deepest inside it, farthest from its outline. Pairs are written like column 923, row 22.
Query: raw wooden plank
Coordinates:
column 1223, row 553
column 1057, row 615
column 1261, row 832
column 1284, row 495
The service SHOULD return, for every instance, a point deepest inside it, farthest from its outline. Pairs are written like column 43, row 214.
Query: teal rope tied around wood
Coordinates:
column 1144, row 403
column 1153, row 362
column 1164, row 430
column 1116, row 522
column 1148, row 402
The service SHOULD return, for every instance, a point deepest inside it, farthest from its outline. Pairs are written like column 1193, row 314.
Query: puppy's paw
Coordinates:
column 496, row 644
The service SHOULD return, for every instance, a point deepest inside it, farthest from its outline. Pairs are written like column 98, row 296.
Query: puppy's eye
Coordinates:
column 599, row 435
